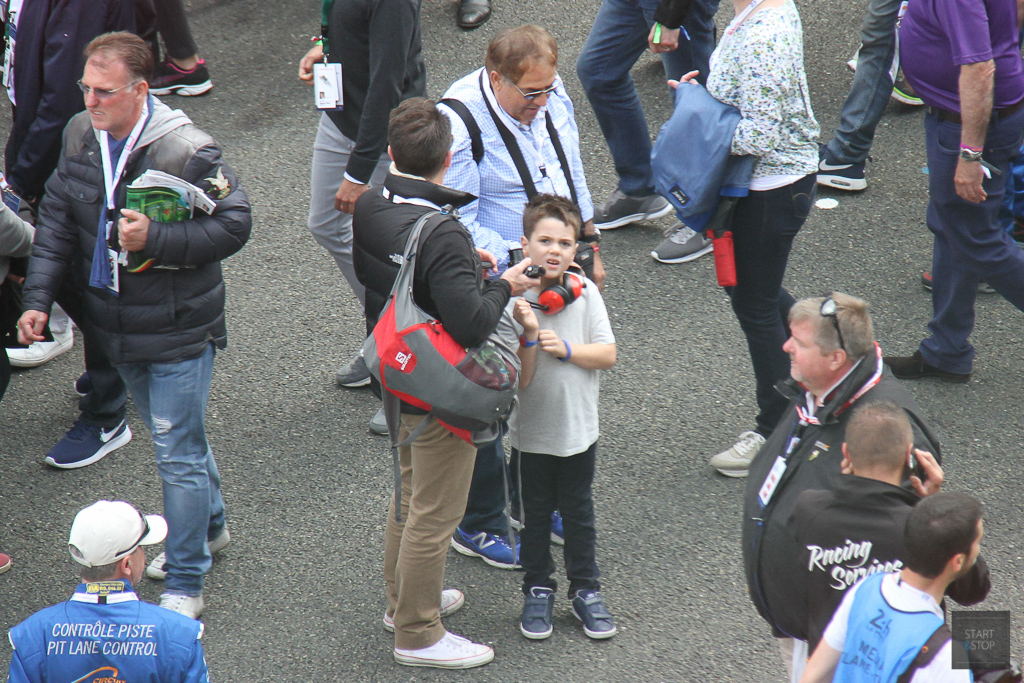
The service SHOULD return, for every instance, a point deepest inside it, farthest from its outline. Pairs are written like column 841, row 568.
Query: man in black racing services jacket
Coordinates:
column 835, row 364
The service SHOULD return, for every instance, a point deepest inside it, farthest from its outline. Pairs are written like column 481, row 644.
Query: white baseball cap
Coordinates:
column 110, row 530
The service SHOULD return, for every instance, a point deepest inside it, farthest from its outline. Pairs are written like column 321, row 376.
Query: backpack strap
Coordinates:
column 512, row 146
column 475, row 138
column 566, row 171
column 931, row 647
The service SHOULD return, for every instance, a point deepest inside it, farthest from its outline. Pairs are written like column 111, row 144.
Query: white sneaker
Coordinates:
column 157, row 570
column 452, row 600
column 735, row 461
column 183, row 604
column 451, row 652
column 42, row 352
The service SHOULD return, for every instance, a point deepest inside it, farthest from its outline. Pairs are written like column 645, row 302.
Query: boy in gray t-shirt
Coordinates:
column 554, row 430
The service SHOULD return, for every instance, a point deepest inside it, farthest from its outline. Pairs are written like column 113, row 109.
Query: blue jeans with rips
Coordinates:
column 872, row 85
column 171, row 399
column 969, row 243
column 616, row 41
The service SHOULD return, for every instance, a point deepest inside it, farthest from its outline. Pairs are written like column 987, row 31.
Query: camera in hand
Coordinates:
column 534, row 271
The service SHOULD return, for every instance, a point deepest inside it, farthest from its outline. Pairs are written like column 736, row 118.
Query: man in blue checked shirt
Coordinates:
column 527, row 141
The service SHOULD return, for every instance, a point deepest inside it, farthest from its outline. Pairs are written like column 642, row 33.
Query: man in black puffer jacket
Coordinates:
column 159, row 326
column 438, row 466
column 835, row 365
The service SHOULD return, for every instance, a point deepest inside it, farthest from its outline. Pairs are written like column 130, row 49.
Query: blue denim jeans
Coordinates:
column 171, row 399
column 616, row 41
column 872, row 85
column 969, row 244
column 485, row 508
column 763, row 227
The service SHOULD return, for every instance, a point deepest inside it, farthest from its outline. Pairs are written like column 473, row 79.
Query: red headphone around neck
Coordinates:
column 555, row 298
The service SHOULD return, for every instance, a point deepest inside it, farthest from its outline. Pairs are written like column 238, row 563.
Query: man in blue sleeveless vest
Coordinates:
column 104, row 632
column 884, row 620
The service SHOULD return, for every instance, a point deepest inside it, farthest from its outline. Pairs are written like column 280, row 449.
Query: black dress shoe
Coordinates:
column 915, row 367
column 473, row 13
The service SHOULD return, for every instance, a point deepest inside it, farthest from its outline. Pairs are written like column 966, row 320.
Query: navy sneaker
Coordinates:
column 588, row 607
column 535, row 623
column 83, row 385
column 493, row 549
column 848, row 177
column 557, row 530
column 84, row 444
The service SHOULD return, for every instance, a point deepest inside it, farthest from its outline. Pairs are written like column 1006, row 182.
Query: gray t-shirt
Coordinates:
column 557, row 413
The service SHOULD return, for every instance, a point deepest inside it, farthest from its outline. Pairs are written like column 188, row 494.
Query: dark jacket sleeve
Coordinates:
column 204, row 239
column 450, row 270
column 672, row 13
column 392, row 23
column 972, row 587
column 69, row 28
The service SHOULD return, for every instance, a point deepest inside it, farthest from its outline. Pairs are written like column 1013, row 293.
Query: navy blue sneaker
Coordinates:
column 492, row 549
column 588, row 607
column 848, row 177
column 84, row 444
column 557, row 530
column 535, row 623
column 83, row 385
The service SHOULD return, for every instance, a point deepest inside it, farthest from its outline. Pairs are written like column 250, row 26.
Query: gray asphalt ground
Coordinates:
column 298, row 593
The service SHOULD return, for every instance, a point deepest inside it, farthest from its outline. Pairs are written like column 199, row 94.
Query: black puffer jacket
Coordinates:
column 771, row 553
column 162, row 315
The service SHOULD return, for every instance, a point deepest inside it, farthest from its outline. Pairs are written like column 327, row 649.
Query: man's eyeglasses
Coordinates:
column 102, row 93
column 829, row 310
column 533, row 94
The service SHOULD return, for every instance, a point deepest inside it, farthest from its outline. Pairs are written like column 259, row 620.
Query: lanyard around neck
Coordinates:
column 325, row 13
column 112, row 175
column 735, row 23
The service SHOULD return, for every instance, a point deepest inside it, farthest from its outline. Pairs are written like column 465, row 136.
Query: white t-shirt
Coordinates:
column 557, row 413
column 901, row 596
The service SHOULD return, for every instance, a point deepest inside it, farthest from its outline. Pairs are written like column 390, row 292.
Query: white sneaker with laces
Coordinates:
column 39, row 353
column 451, row 652
column 735, row 461
column 452, row 600
column 187, row 605
column 157, row 570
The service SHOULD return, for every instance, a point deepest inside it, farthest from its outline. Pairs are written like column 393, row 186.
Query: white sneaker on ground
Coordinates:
column 735, row 461
column 452, row 600
column 39, row 353
column 157, row 570
column 451, row 652
column 183, row 604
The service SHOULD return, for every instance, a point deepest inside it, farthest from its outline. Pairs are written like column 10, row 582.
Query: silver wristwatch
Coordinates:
column 969, row 155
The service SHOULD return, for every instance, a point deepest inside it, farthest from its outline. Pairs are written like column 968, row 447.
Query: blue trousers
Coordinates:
column 616, row 41
column 485, row 508
column 171, row 399
column 969, row 244
column 872, row 85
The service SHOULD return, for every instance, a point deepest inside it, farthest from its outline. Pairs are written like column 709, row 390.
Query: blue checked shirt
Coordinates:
column 496, row 217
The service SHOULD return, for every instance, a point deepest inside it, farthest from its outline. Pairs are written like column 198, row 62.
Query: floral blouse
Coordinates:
column 759, row 69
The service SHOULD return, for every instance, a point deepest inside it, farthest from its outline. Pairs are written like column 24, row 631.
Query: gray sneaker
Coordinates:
column 681, row 245
column 354, row 373
column 379, row 423
column 621, row 209
column 735, row 460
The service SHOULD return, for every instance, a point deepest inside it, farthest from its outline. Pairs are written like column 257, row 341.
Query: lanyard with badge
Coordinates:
column 105, row 260
column 327, row 76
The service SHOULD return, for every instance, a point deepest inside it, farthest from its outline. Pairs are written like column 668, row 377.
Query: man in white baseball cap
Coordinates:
column 104, row 627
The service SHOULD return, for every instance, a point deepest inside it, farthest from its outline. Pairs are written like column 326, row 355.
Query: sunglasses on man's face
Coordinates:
column 101, row 92
column 533, row 94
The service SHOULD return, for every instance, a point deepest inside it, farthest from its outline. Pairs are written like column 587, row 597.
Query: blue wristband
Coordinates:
column 527, row 344
column 568, row 351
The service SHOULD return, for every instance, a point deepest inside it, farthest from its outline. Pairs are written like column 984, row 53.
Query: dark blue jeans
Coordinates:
column 616, row 41
column 969, row 245
column 485, row 509
column 763, row 227
column 550, row 483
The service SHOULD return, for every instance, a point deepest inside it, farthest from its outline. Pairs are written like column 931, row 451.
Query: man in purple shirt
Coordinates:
column 963, row 59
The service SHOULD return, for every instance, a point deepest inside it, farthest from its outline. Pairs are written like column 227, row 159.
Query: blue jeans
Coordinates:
column 969, row 244
column 616, row 41
column 872, row 85
column 763, row 227
column 485, row 509
column 171, row 399
column 554, row 483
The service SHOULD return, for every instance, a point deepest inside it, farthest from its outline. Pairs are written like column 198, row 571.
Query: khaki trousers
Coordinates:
column 436, row 473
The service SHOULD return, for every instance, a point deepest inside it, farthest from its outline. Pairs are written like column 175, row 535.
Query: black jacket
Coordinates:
column 48, row 61
column 771, row 553
column 848, row 533
column 378, row 44
column 162, row 315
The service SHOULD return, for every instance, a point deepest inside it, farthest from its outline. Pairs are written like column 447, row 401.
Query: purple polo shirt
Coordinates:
column 938, row 36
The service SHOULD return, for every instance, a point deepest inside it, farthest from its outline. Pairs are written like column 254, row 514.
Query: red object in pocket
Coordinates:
column 725, row 258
